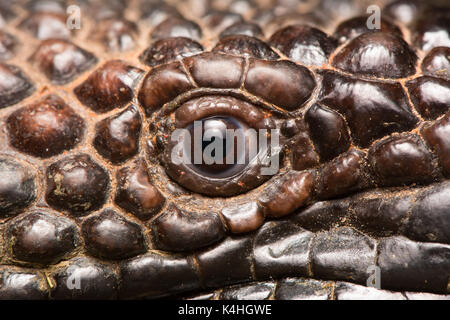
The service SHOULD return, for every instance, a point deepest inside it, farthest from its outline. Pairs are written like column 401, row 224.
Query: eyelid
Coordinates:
column 207, row 106
column 239, row 94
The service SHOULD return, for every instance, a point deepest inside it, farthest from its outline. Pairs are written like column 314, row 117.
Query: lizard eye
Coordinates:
column 219, row 145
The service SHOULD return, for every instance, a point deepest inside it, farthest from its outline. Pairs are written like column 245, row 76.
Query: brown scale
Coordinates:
column 54, row 58
column 117, row 137
column 87, row 187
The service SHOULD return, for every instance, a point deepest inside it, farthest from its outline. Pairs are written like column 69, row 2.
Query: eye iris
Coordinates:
column 218, row 146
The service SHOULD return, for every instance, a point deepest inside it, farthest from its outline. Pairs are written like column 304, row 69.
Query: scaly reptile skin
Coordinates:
column 92, row 207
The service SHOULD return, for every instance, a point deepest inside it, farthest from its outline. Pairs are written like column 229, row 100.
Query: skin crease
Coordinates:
column 88, row 189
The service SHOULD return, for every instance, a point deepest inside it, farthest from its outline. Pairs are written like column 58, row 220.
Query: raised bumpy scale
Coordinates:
column 92, row 207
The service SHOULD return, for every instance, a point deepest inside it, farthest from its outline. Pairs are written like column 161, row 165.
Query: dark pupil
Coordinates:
column 214, row 142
